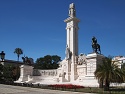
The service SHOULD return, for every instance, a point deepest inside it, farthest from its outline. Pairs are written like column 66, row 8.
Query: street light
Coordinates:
column 2, row 55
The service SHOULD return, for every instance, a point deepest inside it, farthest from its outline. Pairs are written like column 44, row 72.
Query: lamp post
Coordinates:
column 2, row 55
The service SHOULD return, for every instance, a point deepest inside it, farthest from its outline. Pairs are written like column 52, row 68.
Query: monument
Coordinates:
column 74, row 69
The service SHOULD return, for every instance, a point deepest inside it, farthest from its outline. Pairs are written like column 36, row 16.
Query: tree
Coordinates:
column 47, row 62
column 108, row 72
column 7, row 73
column 18, row 51
column 123, row 69
column 1, row 72
column 123, row 66
column 16, row 72
column 11, row 73
column 55, row 60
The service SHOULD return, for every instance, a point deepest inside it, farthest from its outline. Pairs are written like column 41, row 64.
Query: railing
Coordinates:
column 37, row 72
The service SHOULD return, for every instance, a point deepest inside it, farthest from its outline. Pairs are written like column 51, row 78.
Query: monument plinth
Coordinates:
column 26, row 73
column 93, row 60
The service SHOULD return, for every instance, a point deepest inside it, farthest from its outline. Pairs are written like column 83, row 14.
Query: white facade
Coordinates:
column 119, row 60
column 74, row 69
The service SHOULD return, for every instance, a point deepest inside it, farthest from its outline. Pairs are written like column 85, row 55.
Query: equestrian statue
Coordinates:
column 27, row 60
column 95, row 45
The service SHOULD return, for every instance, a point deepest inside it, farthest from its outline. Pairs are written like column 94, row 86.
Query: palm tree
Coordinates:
column 108, row 72
column 18, row 51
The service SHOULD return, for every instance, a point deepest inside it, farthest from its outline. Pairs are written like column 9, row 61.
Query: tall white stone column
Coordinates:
column 72, row 39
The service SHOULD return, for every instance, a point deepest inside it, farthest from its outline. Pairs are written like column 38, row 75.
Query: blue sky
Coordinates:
column 37, row 26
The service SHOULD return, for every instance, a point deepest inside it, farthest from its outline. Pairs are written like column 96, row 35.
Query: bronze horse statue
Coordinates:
column 95, row 46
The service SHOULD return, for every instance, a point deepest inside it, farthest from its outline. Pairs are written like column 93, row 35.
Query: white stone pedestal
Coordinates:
column 93, row 60
column 88, row 69
column 26, row 73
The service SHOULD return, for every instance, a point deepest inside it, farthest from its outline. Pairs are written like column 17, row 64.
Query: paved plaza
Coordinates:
column 8, row 89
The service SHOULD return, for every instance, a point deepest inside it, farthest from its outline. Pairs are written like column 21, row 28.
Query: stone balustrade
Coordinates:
column 52, row 72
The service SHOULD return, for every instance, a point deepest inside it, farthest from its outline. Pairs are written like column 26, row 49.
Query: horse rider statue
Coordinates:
column 95, row 45
column 28, row 61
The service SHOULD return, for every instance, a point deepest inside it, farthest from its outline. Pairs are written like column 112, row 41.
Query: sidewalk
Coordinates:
column 8, row 89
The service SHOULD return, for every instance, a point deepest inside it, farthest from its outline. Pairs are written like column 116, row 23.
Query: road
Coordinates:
column 8, row 89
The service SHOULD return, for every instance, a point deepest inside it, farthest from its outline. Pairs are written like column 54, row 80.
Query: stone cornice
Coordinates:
column 72, row 19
